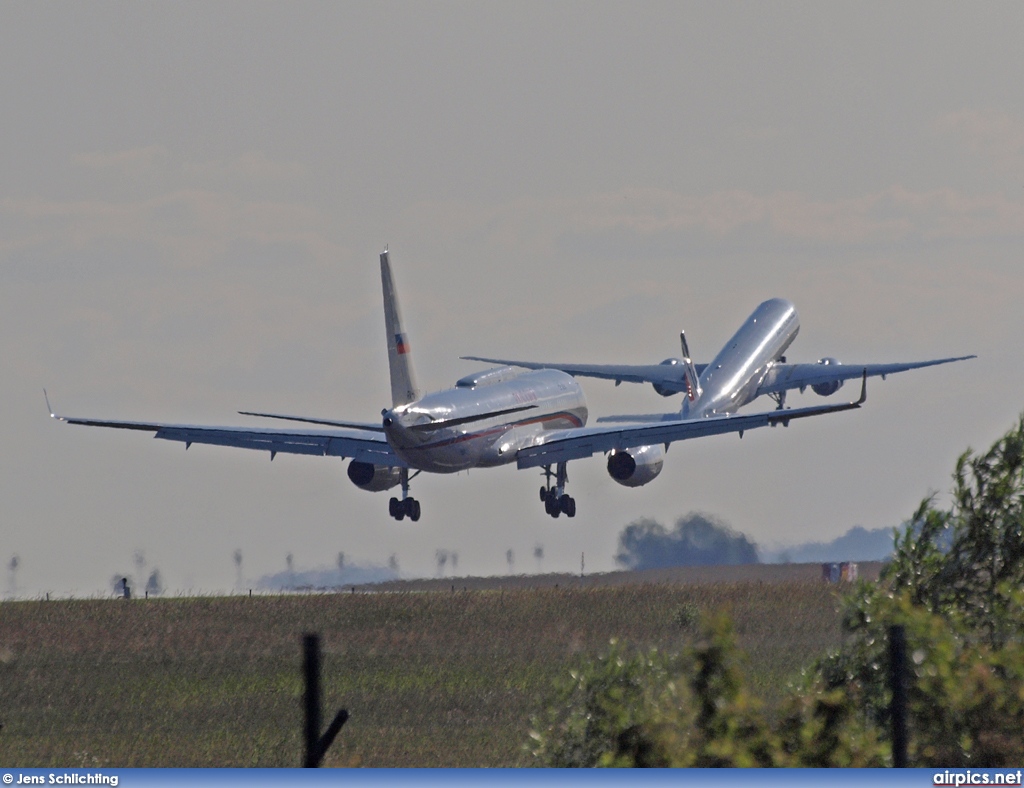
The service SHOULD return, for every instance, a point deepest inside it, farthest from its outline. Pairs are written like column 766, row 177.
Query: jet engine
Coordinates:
column 672, row 362
column 829, row 387
column 637, row 466
column 367, row 476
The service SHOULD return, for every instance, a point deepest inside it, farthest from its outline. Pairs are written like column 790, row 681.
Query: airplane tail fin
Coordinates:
column 693, row 389
column 403, row 381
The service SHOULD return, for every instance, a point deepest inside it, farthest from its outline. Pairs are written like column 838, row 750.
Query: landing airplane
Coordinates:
column 498, row 416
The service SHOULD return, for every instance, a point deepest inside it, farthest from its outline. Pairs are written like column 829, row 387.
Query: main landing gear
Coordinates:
column 407, row 506
column 555, row 499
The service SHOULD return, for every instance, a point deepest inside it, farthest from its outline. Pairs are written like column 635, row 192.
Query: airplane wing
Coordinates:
column 784, row 377
column 573, row 444
column 325, row 443
column 670, row 377
column 780, row 377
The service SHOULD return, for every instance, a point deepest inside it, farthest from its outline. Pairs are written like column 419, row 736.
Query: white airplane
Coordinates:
column 535, row 418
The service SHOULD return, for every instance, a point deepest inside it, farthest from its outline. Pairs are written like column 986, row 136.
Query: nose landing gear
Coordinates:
column 554, row 497
column 407, row 506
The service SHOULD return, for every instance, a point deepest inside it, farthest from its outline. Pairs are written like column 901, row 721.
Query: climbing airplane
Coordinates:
column 535, row 418
column 751, row 364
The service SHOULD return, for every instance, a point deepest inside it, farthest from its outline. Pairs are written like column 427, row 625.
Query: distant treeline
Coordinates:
column 699, row 539
column 696, row 540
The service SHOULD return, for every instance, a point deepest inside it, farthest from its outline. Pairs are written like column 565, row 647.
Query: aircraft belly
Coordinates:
column 503, row 450
column 444, row 459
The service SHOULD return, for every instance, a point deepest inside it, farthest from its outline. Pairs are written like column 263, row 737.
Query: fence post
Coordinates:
column 898, row 683
column 316, row 745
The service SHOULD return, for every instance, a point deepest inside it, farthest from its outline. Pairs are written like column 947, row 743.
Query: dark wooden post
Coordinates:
column 311, row 700
column 316, row 745
column 898, row 682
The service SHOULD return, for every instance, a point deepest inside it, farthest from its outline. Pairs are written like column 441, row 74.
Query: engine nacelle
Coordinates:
column 671, row 362
column 832, row 386
column 637, row 466
column 367, row 476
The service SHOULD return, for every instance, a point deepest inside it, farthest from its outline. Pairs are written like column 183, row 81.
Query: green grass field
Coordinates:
column 430, row 678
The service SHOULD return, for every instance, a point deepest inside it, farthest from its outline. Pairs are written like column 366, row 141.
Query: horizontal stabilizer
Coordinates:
column 348, row 425
column 668, row 377
column 441, row 423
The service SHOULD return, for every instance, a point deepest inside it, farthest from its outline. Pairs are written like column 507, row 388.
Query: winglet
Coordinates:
column 50, row 409
column 863, row 389
column 692, row 379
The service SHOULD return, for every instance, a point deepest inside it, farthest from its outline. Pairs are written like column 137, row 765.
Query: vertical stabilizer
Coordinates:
column 693, row 389
column 403, row 381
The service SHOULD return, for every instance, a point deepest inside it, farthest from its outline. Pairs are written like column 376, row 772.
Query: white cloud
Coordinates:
column 132, row 163
column 188, row 227
column 991, row 133
column 249, row 167
column 891, row 215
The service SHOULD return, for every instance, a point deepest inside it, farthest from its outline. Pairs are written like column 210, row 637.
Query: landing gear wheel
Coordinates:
column 543, row 493
column 406, row 506
column 568, row 505
column 551, row 503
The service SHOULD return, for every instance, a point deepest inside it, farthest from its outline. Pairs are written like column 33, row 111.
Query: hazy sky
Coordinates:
column 193, row 197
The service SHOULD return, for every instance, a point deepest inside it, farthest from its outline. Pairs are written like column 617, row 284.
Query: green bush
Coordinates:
column 652, row 709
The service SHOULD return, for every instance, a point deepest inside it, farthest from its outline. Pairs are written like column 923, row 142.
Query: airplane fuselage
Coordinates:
column 731, row 380
column 530, row 404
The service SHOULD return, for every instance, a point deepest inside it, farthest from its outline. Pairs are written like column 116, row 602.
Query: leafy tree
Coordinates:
column 965, row 698
column 697, row 539
column 955, row 585
column 963, row 561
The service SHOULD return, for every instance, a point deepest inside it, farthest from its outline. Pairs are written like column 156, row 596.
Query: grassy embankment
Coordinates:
column 431, row 679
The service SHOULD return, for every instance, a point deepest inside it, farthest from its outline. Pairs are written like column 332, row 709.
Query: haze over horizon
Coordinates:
column 193, row 197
